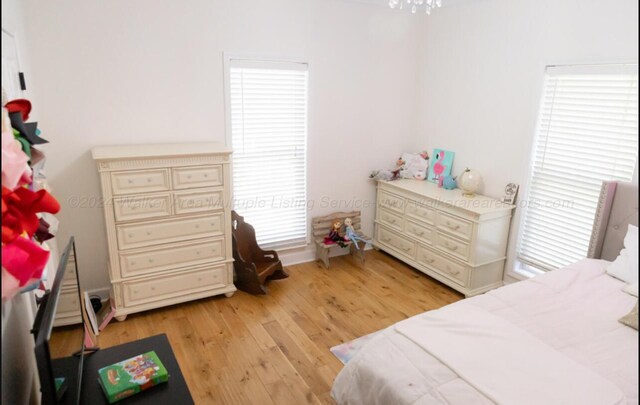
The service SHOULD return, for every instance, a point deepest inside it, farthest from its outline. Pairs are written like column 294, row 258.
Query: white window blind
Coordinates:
column 268, row 116
column 587, row 133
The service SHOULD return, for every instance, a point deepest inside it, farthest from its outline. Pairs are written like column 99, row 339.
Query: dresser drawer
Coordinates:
column 156, row 289
column 68, row 310
column 199, row 176
column 169, row 257
column 426, row 256
column 391, row 202
column 453, row 246
column 202, row 201
column 443, row 266
column 452, row 270
column 454, row 225
column 423, row 233
column 421, row 212
column 143, row 181
column 390, row 219
column 396, row 241
column 171, row 230
column 142, row 207
column 70, row 279
column 69, row 302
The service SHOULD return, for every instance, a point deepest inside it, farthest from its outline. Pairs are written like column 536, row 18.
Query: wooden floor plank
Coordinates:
column 274, row 349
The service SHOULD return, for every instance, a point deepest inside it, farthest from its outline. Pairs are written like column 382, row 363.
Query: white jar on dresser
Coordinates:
column 167, row 210
column 460, row 241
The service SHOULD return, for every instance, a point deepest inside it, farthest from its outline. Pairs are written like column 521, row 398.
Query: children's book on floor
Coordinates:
column 129, row 377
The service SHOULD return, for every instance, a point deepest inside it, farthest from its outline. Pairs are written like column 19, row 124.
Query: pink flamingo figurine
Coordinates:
column 438, row 168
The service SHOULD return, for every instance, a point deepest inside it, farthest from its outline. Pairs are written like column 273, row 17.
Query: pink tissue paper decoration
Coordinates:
column 22, row 264
column 15, row 169
column 22, row 260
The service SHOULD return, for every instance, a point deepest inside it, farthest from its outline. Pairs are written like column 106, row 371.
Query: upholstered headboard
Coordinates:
column 617, row 208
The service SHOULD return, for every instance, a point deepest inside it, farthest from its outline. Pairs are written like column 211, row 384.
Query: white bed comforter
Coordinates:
column 572, row 312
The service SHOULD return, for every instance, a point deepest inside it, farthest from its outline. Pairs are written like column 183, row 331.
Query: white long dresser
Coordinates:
column 168, row 218
column 460, row 241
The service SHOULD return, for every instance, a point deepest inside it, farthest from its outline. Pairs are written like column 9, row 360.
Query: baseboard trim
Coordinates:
column 308, row 254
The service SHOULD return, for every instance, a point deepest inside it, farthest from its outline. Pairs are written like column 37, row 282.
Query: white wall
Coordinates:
column 481, row 68
column 120, row 72
column 467, row 78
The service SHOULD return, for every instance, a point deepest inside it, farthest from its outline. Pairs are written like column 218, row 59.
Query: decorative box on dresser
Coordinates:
column 460, row 241
column 168, row 217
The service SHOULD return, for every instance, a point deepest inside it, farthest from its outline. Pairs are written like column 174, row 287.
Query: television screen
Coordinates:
column 59, row 333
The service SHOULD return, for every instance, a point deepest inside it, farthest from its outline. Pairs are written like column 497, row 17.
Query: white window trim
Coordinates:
column 227, row 58
column 517, row 269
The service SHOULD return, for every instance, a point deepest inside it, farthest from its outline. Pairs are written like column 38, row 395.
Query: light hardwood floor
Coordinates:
column 274, row 349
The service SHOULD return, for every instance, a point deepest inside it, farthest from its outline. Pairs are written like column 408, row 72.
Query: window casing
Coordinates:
column 267, row 107
column 587, row 133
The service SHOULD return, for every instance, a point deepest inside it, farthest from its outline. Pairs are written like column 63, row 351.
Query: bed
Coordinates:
column 553, row 339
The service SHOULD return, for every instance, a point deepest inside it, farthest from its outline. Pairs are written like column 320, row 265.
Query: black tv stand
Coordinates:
column 174, row 392
column 86, row 350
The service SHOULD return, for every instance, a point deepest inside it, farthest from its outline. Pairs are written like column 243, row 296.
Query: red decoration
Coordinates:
column 19, row 210
column 24, row 260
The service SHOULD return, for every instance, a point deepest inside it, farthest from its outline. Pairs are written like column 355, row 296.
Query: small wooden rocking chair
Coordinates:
column 253, row 266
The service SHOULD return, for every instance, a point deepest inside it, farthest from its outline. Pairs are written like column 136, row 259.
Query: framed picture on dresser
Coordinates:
column 440, row 165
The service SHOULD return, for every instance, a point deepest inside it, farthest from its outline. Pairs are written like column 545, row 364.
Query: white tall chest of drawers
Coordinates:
column 460, row 241
column 167, row 211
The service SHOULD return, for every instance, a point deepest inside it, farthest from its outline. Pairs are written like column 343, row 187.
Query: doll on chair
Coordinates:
column 350, row 234
column 334, row 235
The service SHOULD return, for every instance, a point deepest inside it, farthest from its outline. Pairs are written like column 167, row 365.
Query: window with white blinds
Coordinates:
column 268, row 126
column 587, row 132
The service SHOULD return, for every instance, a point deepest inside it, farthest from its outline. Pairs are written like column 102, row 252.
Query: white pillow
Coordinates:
column 625, row 267
column 631, row 288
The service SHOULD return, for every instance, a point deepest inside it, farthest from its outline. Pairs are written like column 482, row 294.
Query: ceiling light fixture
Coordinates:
column 416, row 5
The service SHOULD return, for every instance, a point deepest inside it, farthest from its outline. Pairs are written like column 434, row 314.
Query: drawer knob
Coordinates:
column 150, row 260
column 421, row 233
column 188, row 176
column 406, row 249
column 133, row 263
column 199, row 279
column 148, row 179
column 197, row 252
column 206, row 175
column 135, row 291
column 197, row 226
column 130, row 235
column 148, row 233
column 393, row 221
column 450, row 247
column 153, row 288
column 386, row 239
column 130, row 181
column 452, row 226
